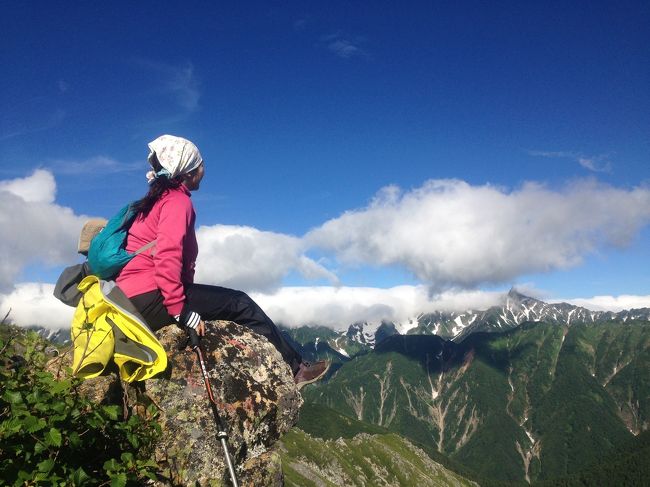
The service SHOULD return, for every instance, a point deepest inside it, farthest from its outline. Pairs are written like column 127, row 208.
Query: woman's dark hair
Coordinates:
column 157, row 189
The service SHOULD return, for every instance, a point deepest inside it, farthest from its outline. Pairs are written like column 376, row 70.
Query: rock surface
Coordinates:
column 256, row 397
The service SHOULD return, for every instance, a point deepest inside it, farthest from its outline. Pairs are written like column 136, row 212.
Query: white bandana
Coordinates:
column 175, row 154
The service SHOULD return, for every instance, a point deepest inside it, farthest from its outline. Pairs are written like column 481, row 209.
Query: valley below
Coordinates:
column 529, row 403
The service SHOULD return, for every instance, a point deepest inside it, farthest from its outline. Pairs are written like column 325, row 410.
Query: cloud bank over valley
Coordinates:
column 452, row 236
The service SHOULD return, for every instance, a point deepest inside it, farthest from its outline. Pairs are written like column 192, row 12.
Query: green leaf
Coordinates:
column 118, row 480
column 46, row 465
column 110, row 465
column 74, row 439
column 111, row 411
column 53, row 437
column 60, row 386
column 127, row 457
column 80, row 477
column 58, row 407
column 133, row 439
column 32, row 424
column 14, row 425
column 12, row 397
column 39, row 448
column 22, row 475
column 150, row 475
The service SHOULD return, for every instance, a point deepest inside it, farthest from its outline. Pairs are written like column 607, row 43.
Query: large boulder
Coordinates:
column 256, row 397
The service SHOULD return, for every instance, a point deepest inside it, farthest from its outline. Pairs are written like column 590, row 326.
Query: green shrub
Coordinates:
column 50, row 434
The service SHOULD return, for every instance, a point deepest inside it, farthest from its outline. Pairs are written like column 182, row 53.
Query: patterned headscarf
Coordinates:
column 175, row 154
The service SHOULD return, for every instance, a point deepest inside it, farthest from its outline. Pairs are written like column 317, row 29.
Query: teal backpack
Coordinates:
column 107, row 253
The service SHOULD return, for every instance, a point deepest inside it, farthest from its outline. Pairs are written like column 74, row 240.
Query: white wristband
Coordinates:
column 192, row 319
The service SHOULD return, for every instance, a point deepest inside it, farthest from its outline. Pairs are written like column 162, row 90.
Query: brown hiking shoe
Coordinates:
column 310, row 372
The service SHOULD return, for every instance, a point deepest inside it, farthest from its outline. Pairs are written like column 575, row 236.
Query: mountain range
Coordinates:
column 516, row 309
column 525, row 392
column 534, row 403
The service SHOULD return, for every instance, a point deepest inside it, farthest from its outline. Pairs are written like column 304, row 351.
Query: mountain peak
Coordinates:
column 514, row 294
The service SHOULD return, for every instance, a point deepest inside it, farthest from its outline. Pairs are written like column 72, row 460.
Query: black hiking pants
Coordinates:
column 218, row 303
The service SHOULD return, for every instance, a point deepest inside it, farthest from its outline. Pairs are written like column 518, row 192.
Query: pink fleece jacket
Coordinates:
column 170, row 263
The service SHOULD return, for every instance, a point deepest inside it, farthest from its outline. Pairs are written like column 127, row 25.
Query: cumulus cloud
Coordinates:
column 335, row 307
column 40, row 187
column 611, row 303
column 246, row 258
column 35, row 229
column 33, row 304
column 451, row 234
column 338, row 307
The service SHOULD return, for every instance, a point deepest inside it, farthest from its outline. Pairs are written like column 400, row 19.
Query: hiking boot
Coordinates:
column 310, row 372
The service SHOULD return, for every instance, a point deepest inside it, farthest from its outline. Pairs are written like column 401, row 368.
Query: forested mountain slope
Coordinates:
column 540, row 401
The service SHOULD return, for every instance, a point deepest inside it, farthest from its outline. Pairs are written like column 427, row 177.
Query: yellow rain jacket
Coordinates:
column 107, row 326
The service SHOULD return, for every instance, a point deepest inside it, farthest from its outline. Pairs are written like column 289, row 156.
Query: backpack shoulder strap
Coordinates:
column 145, row 247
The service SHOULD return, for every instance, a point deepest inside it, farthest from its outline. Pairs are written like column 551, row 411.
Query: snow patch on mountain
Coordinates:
column 516, row 309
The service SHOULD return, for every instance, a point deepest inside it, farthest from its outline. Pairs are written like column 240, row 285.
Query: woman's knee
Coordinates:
column 242, row 297
column 248, row 307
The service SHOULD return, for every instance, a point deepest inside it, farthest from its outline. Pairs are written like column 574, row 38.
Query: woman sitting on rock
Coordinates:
column 160, row 281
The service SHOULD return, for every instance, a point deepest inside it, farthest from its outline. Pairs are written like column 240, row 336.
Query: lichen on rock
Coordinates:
column 254, row 390
column 252, row 386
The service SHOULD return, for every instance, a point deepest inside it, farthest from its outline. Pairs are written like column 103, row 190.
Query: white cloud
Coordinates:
column 246, row 258
column 33, row 304
column 448, row 233
column 344, row 47
column 101, row 165
column 599, row 163
column 180, row 82
column 451, row 234
column 183, row 83
column 35, row 229
column 40, row 187
column 610, row 303
column 335, row 307
column 595, row 164
column 338, row 307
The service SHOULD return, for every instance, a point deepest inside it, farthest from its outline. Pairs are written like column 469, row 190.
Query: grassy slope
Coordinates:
column 568, row 388
column 627, row 467
column 363, row 460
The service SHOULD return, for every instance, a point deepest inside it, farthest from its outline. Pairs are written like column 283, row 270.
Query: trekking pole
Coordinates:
column 221, row 426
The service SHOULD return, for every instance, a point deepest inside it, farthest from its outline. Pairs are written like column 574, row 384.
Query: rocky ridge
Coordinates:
column 457, row 326
column 255, row 392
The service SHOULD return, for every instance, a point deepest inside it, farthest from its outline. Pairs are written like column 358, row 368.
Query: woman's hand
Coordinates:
column 200, row 329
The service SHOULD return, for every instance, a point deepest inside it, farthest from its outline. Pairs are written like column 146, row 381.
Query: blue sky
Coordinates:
column 436, row 145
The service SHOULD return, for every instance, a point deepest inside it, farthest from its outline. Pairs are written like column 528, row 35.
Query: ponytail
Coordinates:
column 157, row 189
